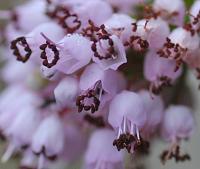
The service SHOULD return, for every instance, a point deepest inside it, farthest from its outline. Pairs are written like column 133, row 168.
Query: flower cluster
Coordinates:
column 95, row 79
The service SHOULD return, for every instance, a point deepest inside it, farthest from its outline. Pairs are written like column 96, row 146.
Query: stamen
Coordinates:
column 23, row 43
column 173, row 51
column 174, row 152
column 43, row 153
column 157, row 86
column 90, row 101
column 50, row 45
column 103, row 35
column 135, row 41
column 62, row 14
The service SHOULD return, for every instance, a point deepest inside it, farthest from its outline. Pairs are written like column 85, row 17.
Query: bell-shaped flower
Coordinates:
column 101, row 154
column 179, row 44
column 75, row 53
column 174, row 14
column 154, row 108
column 120, row 25
column 27, row 46
column 45, row 141
column 98, row 87
column 66, row 92
column 160, row 72
column 127, row 115
column 21, row 131
column 178, row 124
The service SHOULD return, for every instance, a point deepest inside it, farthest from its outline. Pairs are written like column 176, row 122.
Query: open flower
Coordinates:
column 127, row 115
column 74, row 58
column 179, row 44
column 98, row 87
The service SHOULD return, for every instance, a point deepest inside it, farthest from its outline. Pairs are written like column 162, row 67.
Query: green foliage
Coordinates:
column 189, row 3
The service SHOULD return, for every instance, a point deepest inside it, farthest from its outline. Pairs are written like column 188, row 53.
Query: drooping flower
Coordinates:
column 101, row 154
column 74, row 58
column 174, row 14
column 127, row 115
column 159, row 71
column 120, row 25
column 21, row 131
column 155, row 111
column 66, row 92
column 98, row 87
column 179, row 44
column 46, row 144
column 178, row 124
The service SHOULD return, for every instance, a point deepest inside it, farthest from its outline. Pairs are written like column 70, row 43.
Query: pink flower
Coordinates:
column 66, row 92
column 92, row 10
column 155, row 110
column 178, row 123
column 101, row 154
column 45, row 142
column 160, row 72
column 120, row 25
column 98, row 87
column 180, row 44
column 109, row 53
column 35, row 9
column 155, row 31
column 27, row 46
column 127, row 115
column 74, row 58
column 17, row 72
column 21, row 131
column 174, row 14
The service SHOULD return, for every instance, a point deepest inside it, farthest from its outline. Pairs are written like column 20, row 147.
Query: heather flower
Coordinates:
column 45, row 143
column 120, row 25
column 17, row 72
column 92, row 10
column 154, row 31
column 29, row 160
column 127, row 115
column 100, row 153
column 73, row 58
column 123, row 6
column 160, row 72
column 155, row 111
column 109, row 53
column 93, row 72
column 98, row 87
column 174, row 14
column 8, row 113
column 20, row 15
column 194, row 11
column 26, row 47
column 179, row 44
column 178, row 124
column 21, row 131
column 66, row 92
